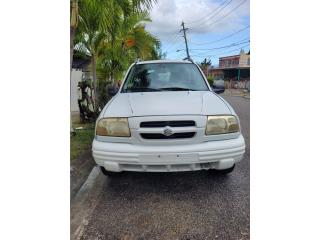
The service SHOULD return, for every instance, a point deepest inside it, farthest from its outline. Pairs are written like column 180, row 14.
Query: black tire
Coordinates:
column 223, row 171
column 108, row 173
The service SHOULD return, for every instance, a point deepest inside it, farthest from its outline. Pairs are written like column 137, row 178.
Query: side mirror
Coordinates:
column 112, row 90
column 218, row 86
column 218, row 90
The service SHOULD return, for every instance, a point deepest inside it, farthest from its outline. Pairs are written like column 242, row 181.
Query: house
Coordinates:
column 235, row 70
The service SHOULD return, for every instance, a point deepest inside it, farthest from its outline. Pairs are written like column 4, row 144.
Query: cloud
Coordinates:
column 167, row 15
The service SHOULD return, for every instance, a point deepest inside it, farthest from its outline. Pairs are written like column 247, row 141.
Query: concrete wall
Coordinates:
column 244, row 60
column 76, row 76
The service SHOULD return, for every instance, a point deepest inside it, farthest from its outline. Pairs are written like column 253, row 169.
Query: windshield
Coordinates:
column 164, row 77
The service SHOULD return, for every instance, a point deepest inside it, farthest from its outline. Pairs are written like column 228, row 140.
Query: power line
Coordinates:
column 173, row 41
column 226, row 46
column 221, row 18
column 222, row 6
column 213, row 16
column 224, row 16
column 234, row 49
column 219, row 54
column 173, row 45
column 173, row 38
column 201, row 19
column 206, row 43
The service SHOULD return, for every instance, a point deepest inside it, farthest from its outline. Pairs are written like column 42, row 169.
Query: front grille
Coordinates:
column 173, row 136
column 156, row 124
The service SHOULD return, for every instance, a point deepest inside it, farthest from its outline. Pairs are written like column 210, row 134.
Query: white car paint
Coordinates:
column 136, row 153
column 166, row 103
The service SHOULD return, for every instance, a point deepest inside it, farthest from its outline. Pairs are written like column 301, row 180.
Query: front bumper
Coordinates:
column 117, row 157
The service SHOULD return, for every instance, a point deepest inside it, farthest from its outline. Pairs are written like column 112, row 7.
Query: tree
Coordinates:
column 92, row 20
column 205, row 64
column 99, row 21
column 130, row 41
column 157, row 53
column 73, row 27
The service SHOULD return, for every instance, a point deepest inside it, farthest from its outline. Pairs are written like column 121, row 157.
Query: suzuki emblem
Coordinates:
column 167, row 131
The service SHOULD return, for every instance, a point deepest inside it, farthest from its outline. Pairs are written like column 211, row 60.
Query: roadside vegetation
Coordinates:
column 80, row 142
column 205, row 65
column 112, row 35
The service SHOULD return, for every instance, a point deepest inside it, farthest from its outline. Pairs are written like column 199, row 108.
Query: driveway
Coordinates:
column 190, row 205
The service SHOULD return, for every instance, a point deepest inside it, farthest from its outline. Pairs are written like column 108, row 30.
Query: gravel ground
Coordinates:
column 190, row 205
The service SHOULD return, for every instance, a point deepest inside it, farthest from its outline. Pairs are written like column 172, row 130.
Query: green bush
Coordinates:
column 210, row 80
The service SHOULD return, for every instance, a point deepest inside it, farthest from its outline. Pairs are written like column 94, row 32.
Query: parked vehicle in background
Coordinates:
column 218, row 86
column 166, row 117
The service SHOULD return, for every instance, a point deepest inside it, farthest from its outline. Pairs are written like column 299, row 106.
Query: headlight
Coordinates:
column 222, row 124
column 114, row 127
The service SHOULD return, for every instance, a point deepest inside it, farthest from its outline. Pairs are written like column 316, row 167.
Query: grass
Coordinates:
column 82, row 141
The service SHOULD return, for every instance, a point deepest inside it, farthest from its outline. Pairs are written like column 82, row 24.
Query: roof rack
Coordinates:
column 189, row 59
column 136, row 61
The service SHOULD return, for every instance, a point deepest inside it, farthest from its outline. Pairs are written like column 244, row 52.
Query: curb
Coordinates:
column 88, row 184
column 84, row 202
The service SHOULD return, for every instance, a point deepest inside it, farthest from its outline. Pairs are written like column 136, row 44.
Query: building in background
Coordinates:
column 235, row 70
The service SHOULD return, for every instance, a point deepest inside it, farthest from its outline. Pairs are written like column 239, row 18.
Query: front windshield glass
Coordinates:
column 164, row 77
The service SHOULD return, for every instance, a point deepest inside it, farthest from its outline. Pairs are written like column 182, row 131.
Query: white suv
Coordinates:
column 166, row 118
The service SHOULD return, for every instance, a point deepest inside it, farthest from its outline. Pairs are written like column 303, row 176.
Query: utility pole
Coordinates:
column 185, row 39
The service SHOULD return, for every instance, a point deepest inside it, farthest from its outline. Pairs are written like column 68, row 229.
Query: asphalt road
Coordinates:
column 190, row 205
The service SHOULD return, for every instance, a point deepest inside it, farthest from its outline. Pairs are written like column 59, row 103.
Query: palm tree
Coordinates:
column 206, row 64
column 92, row 19
column 73, row 27
column 130, row 41
column 99, row 21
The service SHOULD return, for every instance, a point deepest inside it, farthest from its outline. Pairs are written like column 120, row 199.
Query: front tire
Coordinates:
column 109, row 173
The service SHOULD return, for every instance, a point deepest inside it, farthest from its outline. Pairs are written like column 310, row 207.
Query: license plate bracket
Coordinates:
column 169, row 158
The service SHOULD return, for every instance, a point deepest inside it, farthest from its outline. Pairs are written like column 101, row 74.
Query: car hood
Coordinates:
column 165, row 103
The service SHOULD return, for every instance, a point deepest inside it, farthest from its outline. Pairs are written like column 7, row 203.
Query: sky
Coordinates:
column 216, row 27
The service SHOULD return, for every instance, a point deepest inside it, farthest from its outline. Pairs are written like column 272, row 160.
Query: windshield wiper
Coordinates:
column 176, row 89
column 141, row 89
